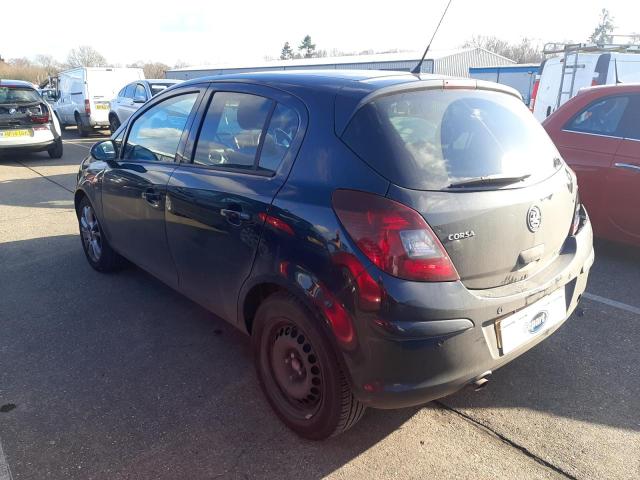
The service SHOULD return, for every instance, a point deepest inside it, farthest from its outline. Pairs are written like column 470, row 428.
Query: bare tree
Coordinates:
column 151, row 69
column 85, row 56
column 526, row 51
column 48, row 63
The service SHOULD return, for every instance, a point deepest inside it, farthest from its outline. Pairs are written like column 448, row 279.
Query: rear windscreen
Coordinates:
column 430, row 139
column 13, row 95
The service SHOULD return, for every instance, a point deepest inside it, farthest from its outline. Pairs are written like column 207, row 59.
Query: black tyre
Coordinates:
column 96, row 246
column 299, row 371
column 57, row 150
column 82, row 132
column 114, row 123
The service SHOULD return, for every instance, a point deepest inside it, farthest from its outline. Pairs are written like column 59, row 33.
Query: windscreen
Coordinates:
column 432, row 139
column 17, row 95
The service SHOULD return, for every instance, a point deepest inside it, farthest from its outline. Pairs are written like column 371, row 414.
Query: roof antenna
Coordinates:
column 615, row 65
column 416, row 70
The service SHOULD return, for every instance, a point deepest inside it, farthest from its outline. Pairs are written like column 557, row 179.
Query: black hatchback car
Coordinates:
column 385, row 238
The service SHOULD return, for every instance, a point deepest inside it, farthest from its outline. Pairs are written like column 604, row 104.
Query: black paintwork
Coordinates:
column 189, row 236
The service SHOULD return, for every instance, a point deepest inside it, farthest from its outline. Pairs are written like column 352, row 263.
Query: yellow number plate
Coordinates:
column 16, row 133
column 102, row 106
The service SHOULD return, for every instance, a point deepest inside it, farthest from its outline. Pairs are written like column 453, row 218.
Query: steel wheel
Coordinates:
column 91, row 235
column 296, row 370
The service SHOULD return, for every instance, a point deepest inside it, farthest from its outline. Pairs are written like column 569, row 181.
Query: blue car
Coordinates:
column 385, row 239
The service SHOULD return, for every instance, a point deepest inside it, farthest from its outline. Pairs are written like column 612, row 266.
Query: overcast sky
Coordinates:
column 209, row 32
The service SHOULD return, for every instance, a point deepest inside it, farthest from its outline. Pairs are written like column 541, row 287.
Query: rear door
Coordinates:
column 126, row 107
column 623, row 181
column 588, row 142
column 134, row 188
column 218, row 199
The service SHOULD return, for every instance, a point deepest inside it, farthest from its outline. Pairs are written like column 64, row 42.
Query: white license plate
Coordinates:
column 532, row 321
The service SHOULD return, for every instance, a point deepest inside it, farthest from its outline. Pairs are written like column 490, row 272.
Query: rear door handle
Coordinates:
column 627, row 166
column 234, row 217
column 152, row 197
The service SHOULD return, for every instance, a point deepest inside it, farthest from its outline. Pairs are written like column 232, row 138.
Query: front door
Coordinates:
column 134, row 188
column 219, row 199
column 623, row 180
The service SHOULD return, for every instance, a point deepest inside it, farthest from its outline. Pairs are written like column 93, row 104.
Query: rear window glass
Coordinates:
column 156, row 88
column 18, row 95
column 427, row 140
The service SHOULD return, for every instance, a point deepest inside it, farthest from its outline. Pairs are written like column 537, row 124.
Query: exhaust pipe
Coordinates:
column 481, row 381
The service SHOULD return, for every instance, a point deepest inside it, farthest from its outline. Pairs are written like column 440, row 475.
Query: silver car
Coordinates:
column 132, row 96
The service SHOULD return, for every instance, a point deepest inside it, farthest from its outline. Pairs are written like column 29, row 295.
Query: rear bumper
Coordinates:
column 95, row 120
column 40, row 141
column 415, row 353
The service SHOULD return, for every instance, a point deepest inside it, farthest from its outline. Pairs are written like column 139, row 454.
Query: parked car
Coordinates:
column 598, row 135
column 27, row 122
column 84, row 93
column 385, row 238
column 581, row 66
column 132, row 96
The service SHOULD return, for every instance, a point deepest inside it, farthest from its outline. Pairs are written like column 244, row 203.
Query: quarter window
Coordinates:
column 601, row 117
column 155, row 135
column 280, row 134
column 231, row 133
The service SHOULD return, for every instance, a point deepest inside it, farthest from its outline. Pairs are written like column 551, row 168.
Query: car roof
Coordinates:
column 329, row 80
column 612, row 89
column 15, row 83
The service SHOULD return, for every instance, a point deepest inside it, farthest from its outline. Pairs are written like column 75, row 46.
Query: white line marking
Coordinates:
column 76, row 144
column 5, row 471
column 612, row 303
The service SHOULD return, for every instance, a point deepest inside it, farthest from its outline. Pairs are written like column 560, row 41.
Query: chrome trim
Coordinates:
column 627, row 166
column 592, row 134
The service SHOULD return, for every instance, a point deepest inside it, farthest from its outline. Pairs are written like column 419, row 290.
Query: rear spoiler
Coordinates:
column 431, row 84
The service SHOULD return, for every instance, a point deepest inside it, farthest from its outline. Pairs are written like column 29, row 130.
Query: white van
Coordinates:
column 83, row 95
column 580, row 66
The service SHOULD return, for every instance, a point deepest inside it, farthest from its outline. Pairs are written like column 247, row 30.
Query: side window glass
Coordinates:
column 140, row 93
column 232, row 130
column 601, row 117
column 129, row 90
column 121, row 92
column 155, row 135
column 280, row 134
column 630, row 124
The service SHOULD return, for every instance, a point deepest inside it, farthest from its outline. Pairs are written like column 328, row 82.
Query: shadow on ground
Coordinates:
column 125, row 373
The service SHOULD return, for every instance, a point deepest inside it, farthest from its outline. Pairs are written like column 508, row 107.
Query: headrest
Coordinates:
column 251, row 112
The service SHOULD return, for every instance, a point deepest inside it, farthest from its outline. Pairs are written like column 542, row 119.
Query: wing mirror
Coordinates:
column 105, row 151
column 139, row 100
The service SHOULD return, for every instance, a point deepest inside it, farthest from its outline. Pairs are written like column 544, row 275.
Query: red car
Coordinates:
column 598, row 134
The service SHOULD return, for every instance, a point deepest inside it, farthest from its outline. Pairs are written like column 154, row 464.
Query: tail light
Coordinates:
column 577, row 219
column 393, row 237
column 41, row 115
column 87, row 107
column 534, row 94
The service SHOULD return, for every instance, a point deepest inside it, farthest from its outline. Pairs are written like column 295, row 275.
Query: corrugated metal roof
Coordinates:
column 447, row 62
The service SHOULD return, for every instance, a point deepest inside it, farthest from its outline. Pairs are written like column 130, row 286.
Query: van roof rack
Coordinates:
column 554, row 47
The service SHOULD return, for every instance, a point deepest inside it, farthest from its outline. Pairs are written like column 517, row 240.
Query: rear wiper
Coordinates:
column 489, row 180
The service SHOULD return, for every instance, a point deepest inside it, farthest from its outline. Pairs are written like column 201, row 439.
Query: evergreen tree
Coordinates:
column 287, row 52
column 308, row 48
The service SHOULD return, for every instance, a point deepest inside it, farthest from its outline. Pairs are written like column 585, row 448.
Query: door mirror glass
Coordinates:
column 104, row 151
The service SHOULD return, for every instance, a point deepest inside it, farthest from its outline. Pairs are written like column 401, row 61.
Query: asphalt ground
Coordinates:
column 119, row 377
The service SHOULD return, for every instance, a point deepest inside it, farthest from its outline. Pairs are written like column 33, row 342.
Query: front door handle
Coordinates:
column 627, row 166
column 152, row 197
column 234, row 217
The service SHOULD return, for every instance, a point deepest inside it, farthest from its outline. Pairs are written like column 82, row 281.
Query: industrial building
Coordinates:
column 452, row 62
